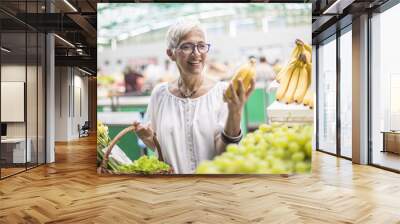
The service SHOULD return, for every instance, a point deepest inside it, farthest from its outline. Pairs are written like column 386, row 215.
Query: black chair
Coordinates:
column 84, row 130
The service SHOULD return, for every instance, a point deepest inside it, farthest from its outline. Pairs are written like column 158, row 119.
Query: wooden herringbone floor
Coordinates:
column 70, row 191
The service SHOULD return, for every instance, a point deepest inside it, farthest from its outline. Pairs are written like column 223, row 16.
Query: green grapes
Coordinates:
column 298, row 157
column 146, row 165
column 271, row 149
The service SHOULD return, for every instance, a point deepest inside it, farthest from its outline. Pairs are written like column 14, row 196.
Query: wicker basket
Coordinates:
column 103, row 164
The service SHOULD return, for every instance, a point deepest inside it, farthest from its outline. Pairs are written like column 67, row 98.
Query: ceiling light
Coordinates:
column 86, row 72
column 337, row 7
column 64, row 40
column 70, row 5
column 5, row 49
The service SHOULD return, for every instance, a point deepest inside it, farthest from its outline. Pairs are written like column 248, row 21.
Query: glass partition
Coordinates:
column 327, row 96
column 13, row 89
column 22, row 67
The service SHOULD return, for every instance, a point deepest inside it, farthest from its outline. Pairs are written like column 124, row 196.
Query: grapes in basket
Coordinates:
column 271, row 149
column 146, row 165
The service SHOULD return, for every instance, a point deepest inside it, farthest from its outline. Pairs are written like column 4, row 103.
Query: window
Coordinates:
column 346, row 94
column 327, row 96
column 385, row 89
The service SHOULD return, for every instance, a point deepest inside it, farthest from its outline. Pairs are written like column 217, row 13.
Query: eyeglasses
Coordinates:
column 188, row 48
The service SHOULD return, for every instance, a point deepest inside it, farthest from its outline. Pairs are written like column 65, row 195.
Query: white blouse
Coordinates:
column 187, row 128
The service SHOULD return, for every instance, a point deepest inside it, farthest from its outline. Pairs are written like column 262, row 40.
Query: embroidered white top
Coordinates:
column 186, row 128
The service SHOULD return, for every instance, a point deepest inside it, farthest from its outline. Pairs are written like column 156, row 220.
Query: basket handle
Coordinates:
column 103, row 165
column 158, row 147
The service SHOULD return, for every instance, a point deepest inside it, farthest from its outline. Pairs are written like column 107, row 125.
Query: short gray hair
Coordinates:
column 180, row 29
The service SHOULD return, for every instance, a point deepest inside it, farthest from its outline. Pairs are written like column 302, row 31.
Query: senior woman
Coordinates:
column 190, row 116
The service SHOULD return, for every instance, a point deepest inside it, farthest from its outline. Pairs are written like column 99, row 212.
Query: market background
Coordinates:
column 132, row 60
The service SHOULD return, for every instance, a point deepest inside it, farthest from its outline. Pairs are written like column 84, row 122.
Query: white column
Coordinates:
column 50, row 93
column 360, row 90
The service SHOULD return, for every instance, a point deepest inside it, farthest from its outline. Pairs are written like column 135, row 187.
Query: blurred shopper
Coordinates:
column 264, row 71
column 133, row 80
column 192, row 121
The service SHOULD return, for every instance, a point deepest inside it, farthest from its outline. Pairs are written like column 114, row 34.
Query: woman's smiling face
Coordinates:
column 189, row 60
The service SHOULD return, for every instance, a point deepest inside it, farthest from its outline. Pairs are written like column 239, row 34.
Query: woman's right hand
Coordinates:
column 145, row 132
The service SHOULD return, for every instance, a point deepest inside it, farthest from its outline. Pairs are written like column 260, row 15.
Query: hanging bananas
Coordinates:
column 295, row 78
column 245, row 73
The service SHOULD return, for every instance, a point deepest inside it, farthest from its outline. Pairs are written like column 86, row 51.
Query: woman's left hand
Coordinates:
column 239, row 98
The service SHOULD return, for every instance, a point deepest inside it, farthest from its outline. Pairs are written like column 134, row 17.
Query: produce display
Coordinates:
column 146, row 165
column 245, row 73
column 103, row 139
column 271, row 149
column 118, row 164
column 295, row 78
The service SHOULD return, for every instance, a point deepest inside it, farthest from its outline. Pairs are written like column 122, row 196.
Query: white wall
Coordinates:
column 61, row 103
column 69, row 85
column 14, row 73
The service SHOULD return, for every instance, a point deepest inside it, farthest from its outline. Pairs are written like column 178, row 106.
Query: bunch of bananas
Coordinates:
column 245, row 73
column 295, row 78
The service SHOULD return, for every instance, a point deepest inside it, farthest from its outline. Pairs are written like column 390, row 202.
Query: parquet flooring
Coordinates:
column 9, row 171
column 70, row 191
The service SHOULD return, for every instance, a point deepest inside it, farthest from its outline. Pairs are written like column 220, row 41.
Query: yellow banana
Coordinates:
column 295, row 52
column 311, row 104
column 308, row 48
column 309, row 71
column 307, row 97
column 305, row 51
column 302, row 85
column 292, row 86
column 245, row 73
column 285, row 80
column 281, row 73
column 284, row 71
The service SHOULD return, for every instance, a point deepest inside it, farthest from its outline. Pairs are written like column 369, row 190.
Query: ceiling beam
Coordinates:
column 86, row 26
column 81, row 61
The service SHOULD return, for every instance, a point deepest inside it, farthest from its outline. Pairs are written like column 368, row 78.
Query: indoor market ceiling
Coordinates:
column 122, row 21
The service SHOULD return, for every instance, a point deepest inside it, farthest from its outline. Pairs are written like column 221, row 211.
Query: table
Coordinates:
column 391, row 141
column 13, row 150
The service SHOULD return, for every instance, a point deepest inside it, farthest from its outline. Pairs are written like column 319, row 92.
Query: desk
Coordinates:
column 391, row 141
column 13, row 150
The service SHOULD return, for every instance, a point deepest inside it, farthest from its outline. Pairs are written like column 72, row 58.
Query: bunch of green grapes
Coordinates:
column 271, row 149
column 145, row 164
